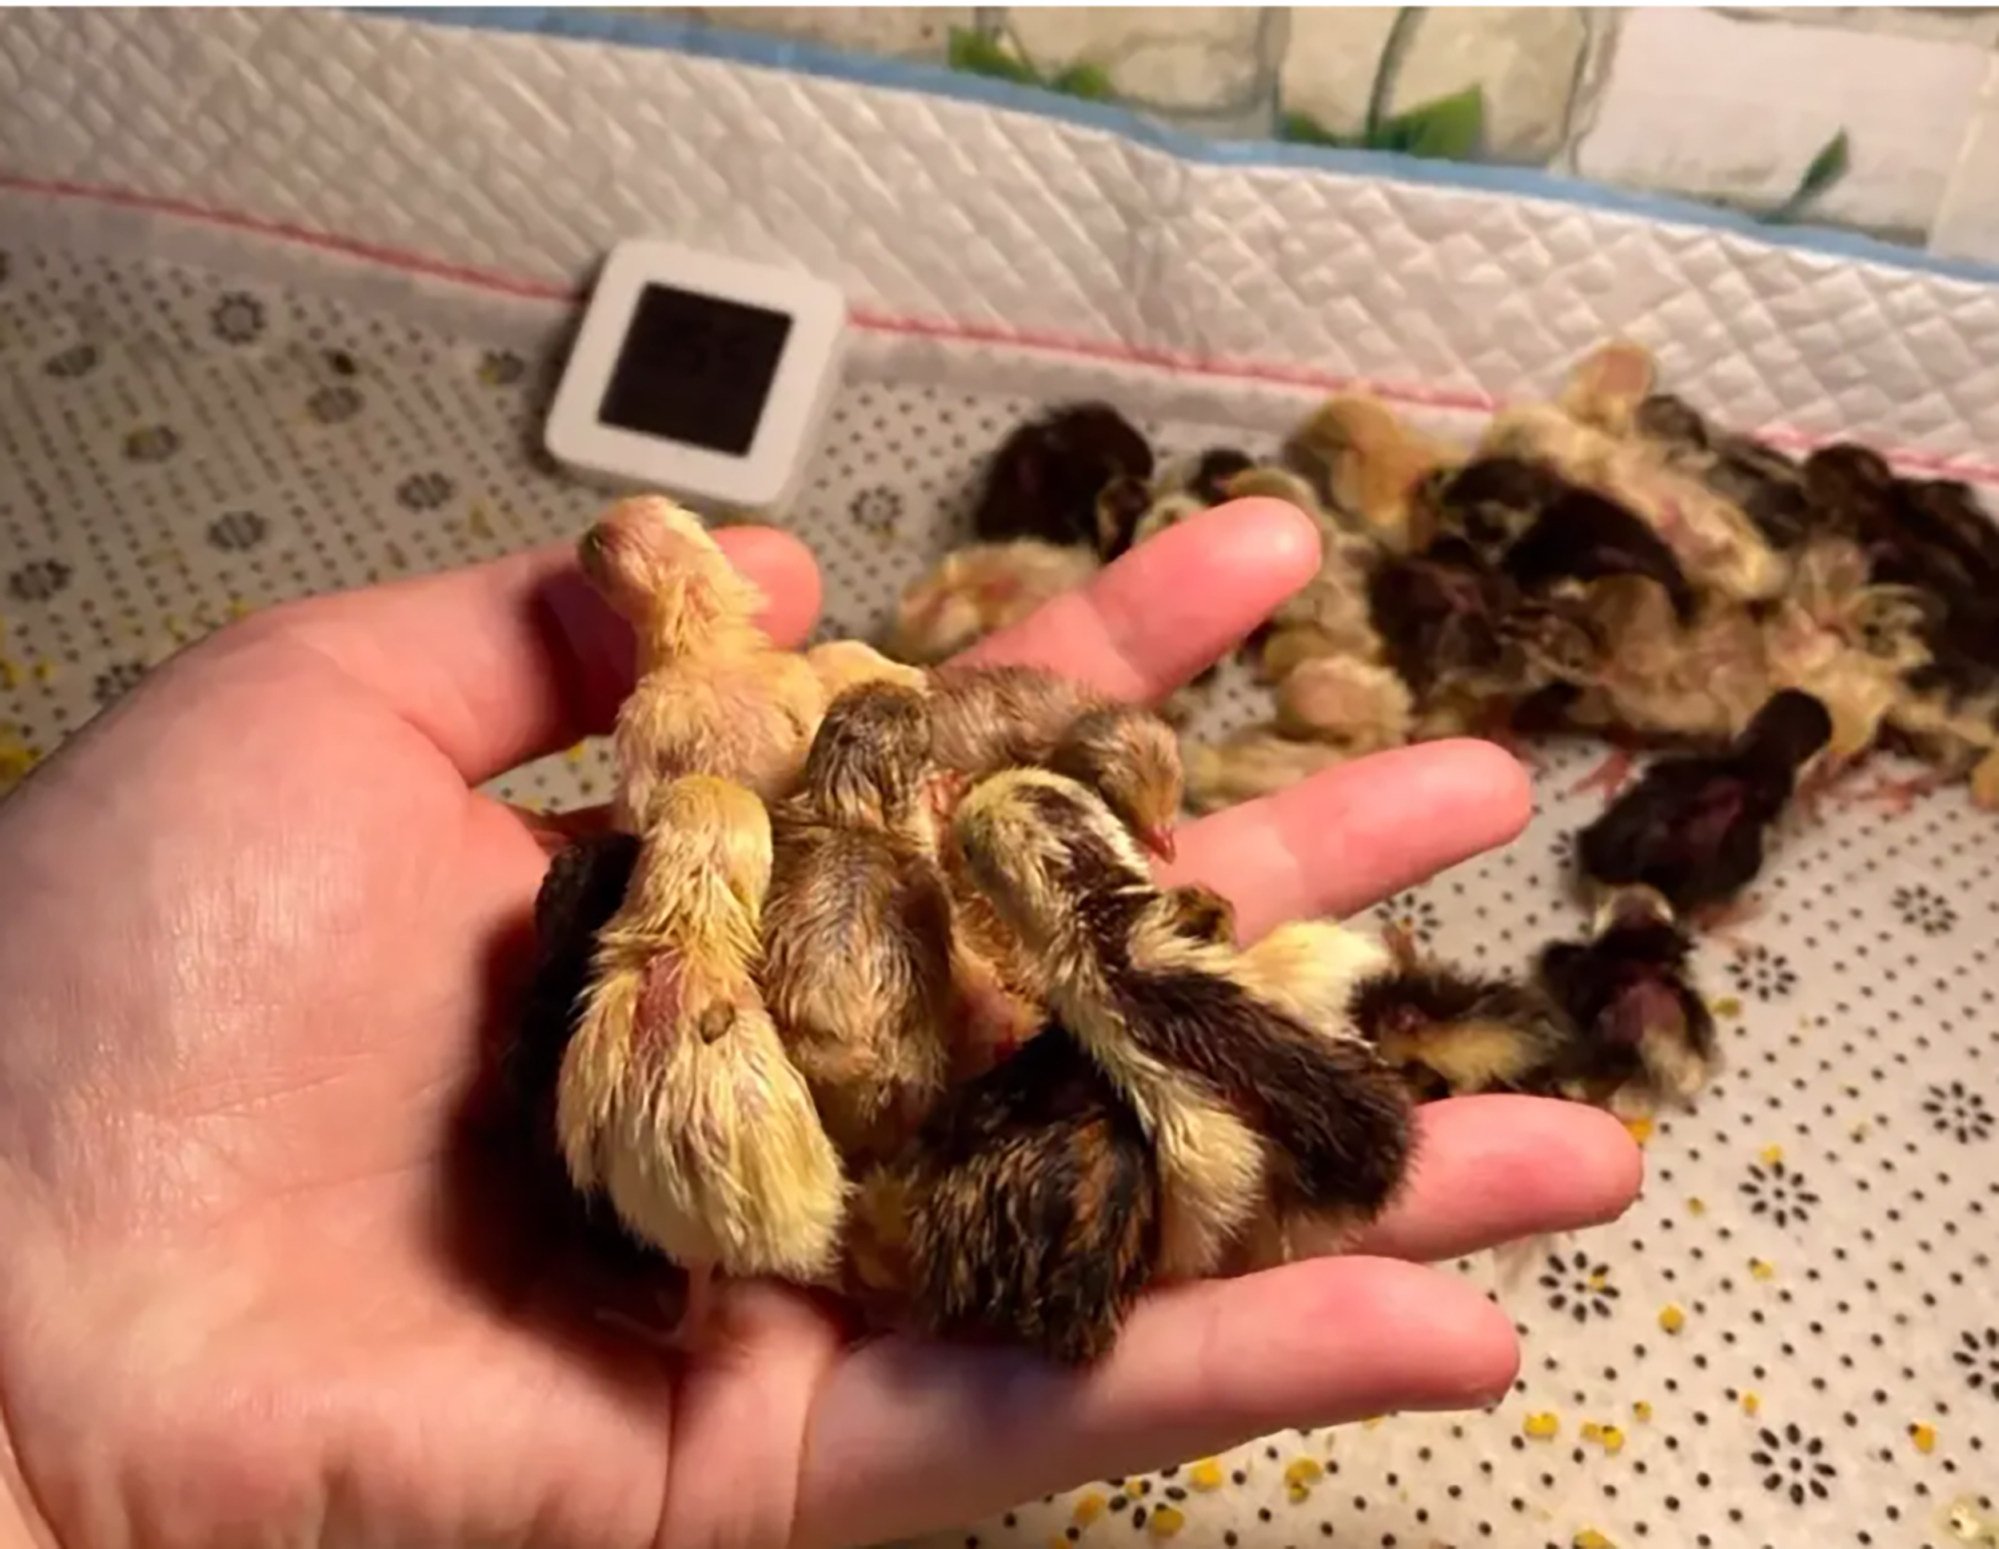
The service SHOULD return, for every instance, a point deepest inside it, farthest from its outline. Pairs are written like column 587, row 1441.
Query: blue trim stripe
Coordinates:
column 709, row 42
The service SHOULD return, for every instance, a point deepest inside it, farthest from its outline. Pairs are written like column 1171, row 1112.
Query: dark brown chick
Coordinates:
column 1452, row 1034
column 1693, row 827
column 1026, row 1210
column 992, row 718
column 1642, row 1030
column 1767, row 485
column 1045, row 479
column 857, row 964
column 1255, row 1110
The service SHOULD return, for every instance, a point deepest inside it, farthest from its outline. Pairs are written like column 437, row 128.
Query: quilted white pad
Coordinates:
column 200, row 413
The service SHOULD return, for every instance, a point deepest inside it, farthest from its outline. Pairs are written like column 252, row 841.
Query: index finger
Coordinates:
column 1170, row 608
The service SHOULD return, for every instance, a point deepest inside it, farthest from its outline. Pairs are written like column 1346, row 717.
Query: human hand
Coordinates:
column 268, row 1275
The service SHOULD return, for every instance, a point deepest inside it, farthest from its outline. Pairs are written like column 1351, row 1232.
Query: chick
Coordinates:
column 1045, row 479
column 1253, row 1111
column 676, row 1100
column 1252, row 763
column 1642, row 1029
column 1026, row 1210
column 1607, row 386
column 843, row 664
column 1329, row 709
column 986, row 719
column 1130, row 511
column 1693, row 827
column 977, row 591
column 1329, row 616
column 1583, row 536
column 713, row 695
column 1767, row 485
column 1452, row 1034
column 1371, row 466
column 857, row 930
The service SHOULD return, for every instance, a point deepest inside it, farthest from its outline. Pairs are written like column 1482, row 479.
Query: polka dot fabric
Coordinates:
column 1793, row 1339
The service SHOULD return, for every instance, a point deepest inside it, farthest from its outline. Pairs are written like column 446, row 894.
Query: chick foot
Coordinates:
column 1719, row 922
column 1898, row 797
column 1611, row 776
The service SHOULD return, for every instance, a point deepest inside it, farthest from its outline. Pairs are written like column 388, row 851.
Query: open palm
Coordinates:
column 270, row 1273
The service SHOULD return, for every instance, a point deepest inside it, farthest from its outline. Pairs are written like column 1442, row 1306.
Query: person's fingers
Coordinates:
column 1356, row 832
column 505, row 661
column 1164, row 612
column 907, row 1436
column 1490, row 1169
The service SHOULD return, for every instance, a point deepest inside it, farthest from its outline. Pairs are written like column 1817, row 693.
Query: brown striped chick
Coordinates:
column 1454, row 1034
column 977, row 591
column 1372, row 467
column 1717, row 544
column 987, row 719
column 713, row 695
column 857, row 930
column 1260, row 1119
column 1025, row 1211
column 676, row 1099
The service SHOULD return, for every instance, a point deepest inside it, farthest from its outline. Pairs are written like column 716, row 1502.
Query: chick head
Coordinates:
column 871, row 759
column 658, row 567
column 1491, row 502
column 701, row 827
column 1038, row 845
column 1632, row 907
column 1131, row 758
column 1792, row 726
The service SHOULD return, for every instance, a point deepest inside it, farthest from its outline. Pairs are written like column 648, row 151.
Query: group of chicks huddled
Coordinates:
column 871, row 987
column 1608, row 563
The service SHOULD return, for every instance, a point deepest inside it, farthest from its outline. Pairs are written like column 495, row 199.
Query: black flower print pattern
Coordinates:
column 1924, row 908
column 1578, row 1287
column 1412, row 914
column 116, row 681
column 1778, row 1191
column 1978, row 1354
column 501, row 368
column 1958, row 1110
column 67, row 365
column 235, row 531
column 39, row 580
column 425, row 491
column 152, row 443
column 237, row 318
column 334, row 404
column 1794, row 1464
column 1765, row 974
column 877, row 510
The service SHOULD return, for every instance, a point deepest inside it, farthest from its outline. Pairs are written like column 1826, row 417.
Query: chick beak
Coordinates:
column 1160, row 841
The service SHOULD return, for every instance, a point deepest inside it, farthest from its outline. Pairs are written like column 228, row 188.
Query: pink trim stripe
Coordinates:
column 521, row 287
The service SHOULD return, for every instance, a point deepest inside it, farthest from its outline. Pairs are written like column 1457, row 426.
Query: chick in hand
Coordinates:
column 857, row 931
column 1255, row 1113
column 713, row 695
column 974, row 592
column 1642, row 1031
column 1693, row 827
column 676, row 1099
column 1026, row 1210
column 1453, row 1034
column 843, row 664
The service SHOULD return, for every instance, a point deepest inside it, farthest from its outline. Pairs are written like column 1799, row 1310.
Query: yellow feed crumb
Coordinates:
column 1205, row 1475
column 1751, row 1404
column 1763, row 1269
column 1299, row 1477
column 1924, row 1436
column 1612, row 1440
column 1641, row 1410
column 1726, row 1006
column 1541, row 1426
column 1672, row 1318
column 1591, row 1430
column 1640, row 1128
column 1590, row 1538
column 1165, row 1522
column 1088, row 1509
column 1696, row 1206
column 1770, row 1156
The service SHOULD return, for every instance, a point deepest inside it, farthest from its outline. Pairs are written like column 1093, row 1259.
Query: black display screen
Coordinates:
column 695, row 368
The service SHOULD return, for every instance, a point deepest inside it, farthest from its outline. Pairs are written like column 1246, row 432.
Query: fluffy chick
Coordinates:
column 1767, row 485
column 1693, row 827
column 1643, row 1031
column 976, row 591
column 986, row 719
column 843, row 664
column 1371, row 466
column 1329, row 709
column 1452, row 1034
column 1251, row 763
column 676, row 1099
column 1130, row 511
column 857, row 930
column 1045, row 479
column 713, row 695
column 1253, row 1110
column 1026, row 1210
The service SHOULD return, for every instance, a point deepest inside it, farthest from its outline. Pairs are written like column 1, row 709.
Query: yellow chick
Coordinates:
column 1372, row 466
column 676, row 1100
column 713, row 695
column 976, row 591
